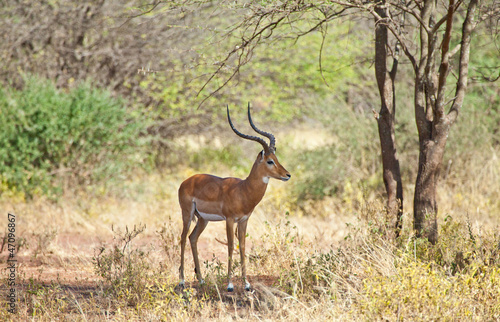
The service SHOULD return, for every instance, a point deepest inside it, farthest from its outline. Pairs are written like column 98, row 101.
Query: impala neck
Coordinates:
column 256, row 182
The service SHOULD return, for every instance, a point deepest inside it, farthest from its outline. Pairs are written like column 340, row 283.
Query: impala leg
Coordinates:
column 186, row 221
column 242, row 231
column 230, row 245
column 193, row 238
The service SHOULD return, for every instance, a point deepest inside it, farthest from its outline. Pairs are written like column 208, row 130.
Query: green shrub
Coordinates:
column 52, row 139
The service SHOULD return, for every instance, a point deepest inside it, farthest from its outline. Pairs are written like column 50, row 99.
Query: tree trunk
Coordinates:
column 424, row 205
column 385, row 121
column 433, row 123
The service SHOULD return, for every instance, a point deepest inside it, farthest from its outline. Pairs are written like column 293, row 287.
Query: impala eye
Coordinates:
column 270, row 162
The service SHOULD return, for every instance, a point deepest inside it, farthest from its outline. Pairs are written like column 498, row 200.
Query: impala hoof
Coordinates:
column 230, row 287
column 247, row 286
column 182, row 285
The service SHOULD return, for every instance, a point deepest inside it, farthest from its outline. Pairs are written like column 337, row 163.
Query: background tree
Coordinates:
column 387, row 117
column 431, row 77
column 431, row 69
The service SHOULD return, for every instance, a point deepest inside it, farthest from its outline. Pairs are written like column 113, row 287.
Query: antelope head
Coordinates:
column 267, row 163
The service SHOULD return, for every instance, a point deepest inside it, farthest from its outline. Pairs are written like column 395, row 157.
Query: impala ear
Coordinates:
column 261, row 155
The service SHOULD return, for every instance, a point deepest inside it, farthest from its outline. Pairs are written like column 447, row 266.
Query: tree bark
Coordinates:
column 424, row 204
column 385, row 121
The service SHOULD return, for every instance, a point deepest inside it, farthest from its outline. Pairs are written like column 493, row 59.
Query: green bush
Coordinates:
column 52, row 139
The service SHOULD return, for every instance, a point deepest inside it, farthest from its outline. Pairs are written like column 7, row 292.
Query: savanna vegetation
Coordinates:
column 105, row 112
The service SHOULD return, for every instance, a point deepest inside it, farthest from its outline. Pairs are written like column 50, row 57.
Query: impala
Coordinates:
column 211, row 198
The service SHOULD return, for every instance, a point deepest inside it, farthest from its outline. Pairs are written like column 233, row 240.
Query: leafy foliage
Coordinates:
column 51, row 138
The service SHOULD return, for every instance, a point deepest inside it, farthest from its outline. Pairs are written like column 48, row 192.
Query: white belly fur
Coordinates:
column 211, row 217
column 215, row 217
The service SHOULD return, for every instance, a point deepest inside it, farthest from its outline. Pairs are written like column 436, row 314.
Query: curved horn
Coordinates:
column 271, row 137
column 248, row 137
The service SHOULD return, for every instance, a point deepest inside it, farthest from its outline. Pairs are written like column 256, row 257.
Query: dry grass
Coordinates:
column 330, row 260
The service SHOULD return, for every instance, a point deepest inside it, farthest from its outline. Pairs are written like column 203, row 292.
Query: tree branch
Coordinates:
column 467, row 29
column 320, row 58
column 256, row 36
column 398, row 36
column 445, row 64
